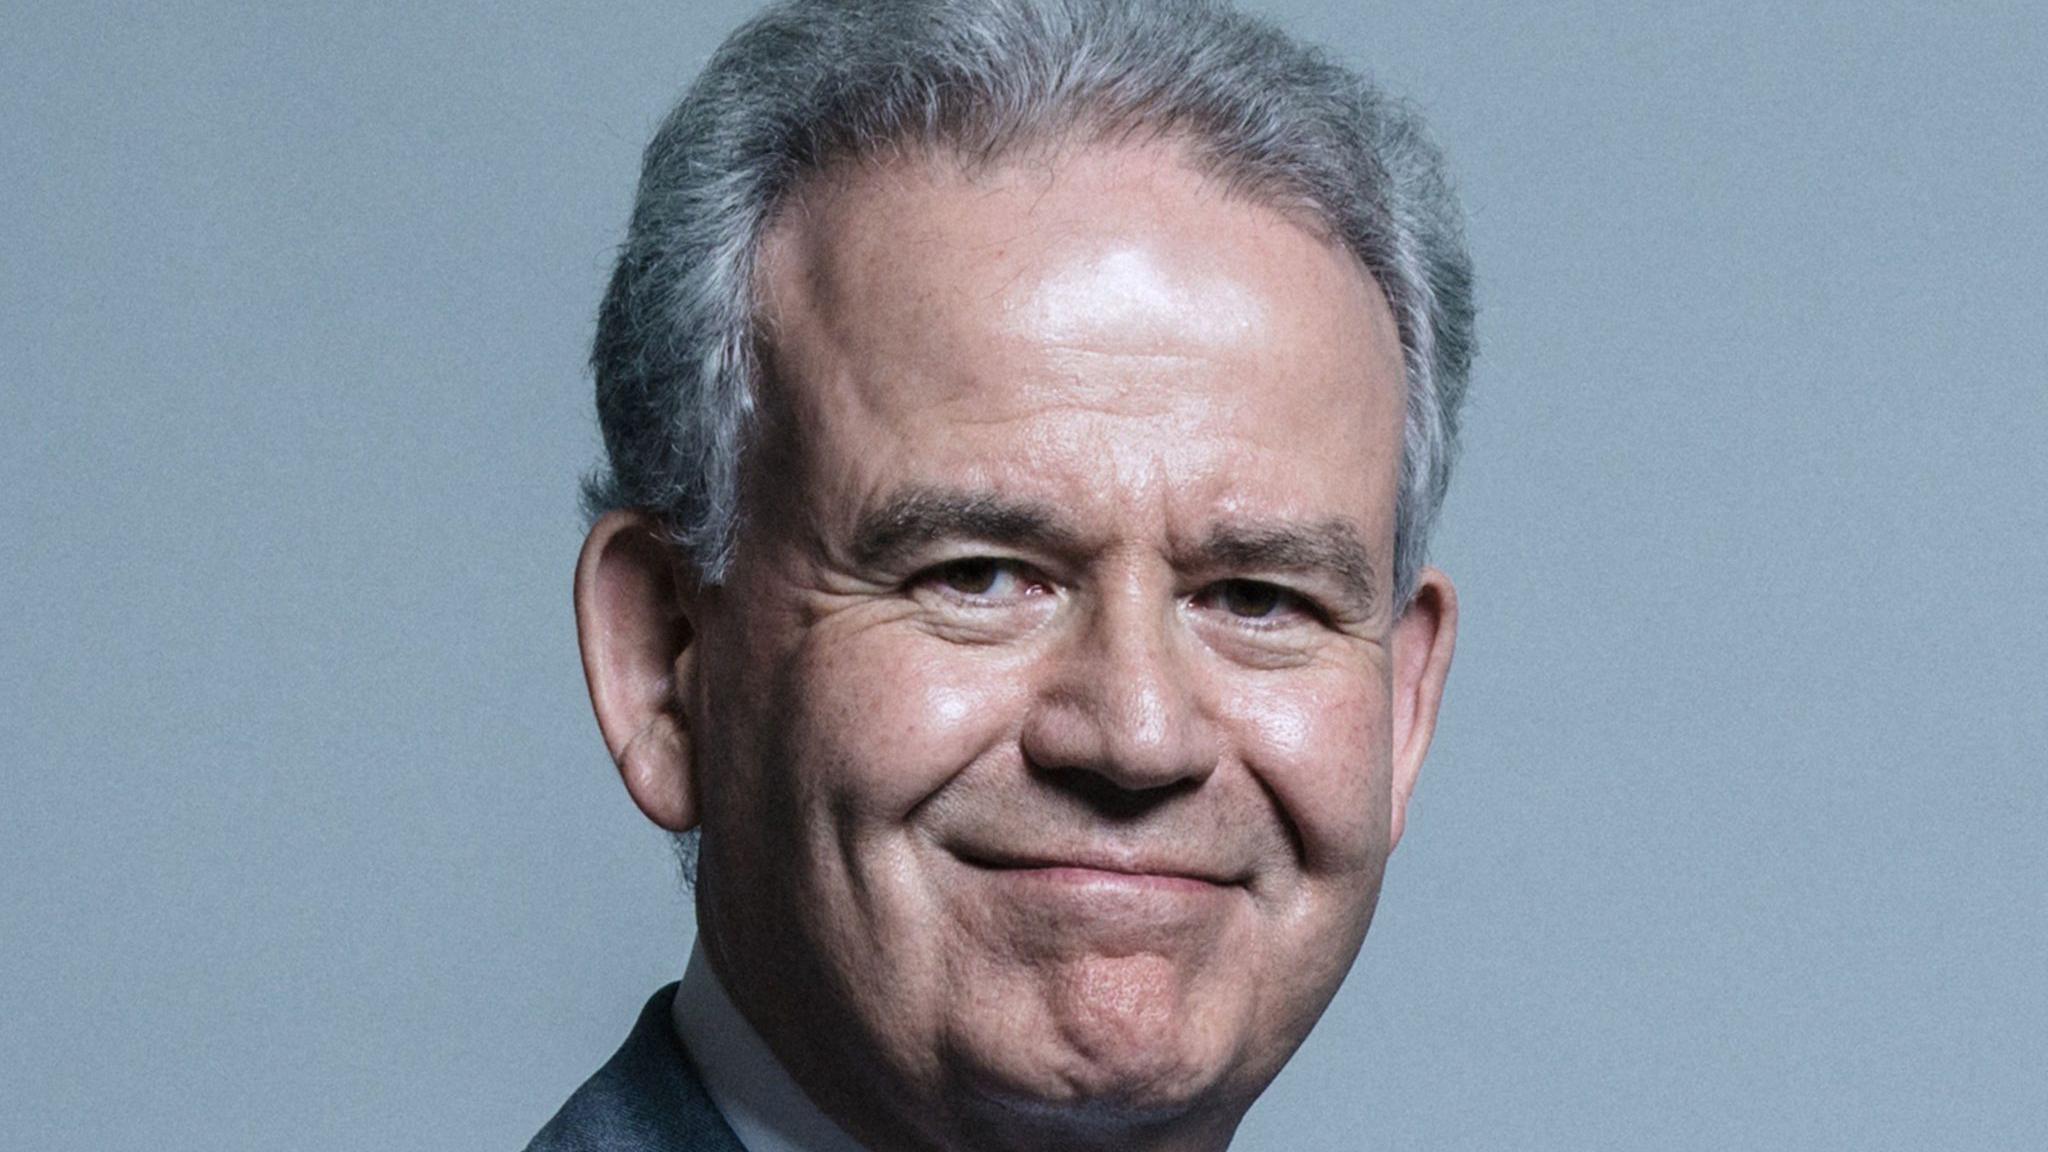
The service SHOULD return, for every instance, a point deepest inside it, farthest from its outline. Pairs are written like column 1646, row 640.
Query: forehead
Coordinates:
column 1103, row 311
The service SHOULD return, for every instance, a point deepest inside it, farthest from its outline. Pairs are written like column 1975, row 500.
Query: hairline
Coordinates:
column 737, row 152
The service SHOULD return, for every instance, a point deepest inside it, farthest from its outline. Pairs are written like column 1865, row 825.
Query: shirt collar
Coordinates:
column 760, row 1102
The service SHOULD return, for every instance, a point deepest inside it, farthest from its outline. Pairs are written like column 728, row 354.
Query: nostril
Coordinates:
column 1111, row 795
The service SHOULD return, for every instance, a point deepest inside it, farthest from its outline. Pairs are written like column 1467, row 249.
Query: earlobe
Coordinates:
column 1423, row 640
column 633, row 626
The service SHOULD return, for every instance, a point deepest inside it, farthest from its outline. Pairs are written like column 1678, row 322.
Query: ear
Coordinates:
column 632, row 622
column 1422, row 642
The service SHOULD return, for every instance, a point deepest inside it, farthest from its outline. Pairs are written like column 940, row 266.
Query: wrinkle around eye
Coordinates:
column 981, row 600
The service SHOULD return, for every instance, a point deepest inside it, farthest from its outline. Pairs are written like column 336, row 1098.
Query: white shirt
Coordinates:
column 761, row 1104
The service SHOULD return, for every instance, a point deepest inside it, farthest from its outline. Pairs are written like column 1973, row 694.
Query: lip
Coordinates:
column 1095, row 871
column 1067, row 875
column 1065, row 904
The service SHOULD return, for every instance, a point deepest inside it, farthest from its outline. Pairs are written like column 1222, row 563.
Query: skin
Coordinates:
column 1054, row 724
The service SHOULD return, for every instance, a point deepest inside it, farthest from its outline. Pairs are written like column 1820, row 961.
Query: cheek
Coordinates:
column 1321, row 746
column 880, row 722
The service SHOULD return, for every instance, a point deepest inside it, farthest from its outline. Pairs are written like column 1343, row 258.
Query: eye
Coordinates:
column 982, row 578
column 1251, row 601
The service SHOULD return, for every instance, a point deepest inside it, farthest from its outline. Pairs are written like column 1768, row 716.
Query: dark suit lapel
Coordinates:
column 647, row 1098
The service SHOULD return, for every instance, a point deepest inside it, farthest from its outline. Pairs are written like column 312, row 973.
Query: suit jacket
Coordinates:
column 647, row 1098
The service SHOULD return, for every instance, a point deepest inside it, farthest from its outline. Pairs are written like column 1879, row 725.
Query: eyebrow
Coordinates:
column 1331, row 546
column 911, row 520
column 918, row 517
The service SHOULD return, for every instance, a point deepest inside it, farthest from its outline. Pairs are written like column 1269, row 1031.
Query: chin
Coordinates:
column 1113, row 1047
column 1123, row 1103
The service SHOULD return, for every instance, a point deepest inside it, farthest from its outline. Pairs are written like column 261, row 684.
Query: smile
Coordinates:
column 1096, row 872
column 1106, row 879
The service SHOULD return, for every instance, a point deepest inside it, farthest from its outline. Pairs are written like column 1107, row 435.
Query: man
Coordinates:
column 1025, row 419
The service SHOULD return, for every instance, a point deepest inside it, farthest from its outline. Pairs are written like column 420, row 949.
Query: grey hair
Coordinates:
column 810, row 83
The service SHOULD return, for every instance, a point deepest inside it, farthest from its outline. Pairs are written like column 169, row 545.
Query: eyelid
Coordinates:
column 1294, row 602
column 933, row 575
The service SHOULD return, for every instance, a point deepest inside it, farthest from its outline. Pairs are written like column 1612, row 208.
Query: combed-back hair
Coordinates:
column 812, row 83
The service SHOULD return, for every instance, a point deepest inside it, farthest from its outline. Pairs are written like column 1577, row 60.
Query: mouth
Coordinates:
column 1065, row 904
column 1103, row 871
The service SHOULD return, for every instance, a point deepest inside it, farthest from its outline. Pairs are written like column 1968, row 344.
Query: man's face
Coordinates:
column 1044, row 733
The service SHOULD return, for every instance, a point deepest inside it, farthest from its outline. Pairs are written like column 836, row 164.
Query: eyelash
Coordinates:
column 1287, row 602
column 939, row 577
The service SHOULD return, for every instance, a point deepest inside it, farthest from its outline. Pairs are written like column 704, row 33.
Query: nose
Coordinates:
column 1121, row 712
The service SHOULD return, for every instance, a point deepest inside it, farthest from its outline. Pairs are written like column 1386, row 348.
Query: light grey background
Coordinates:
column 1733, row 836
